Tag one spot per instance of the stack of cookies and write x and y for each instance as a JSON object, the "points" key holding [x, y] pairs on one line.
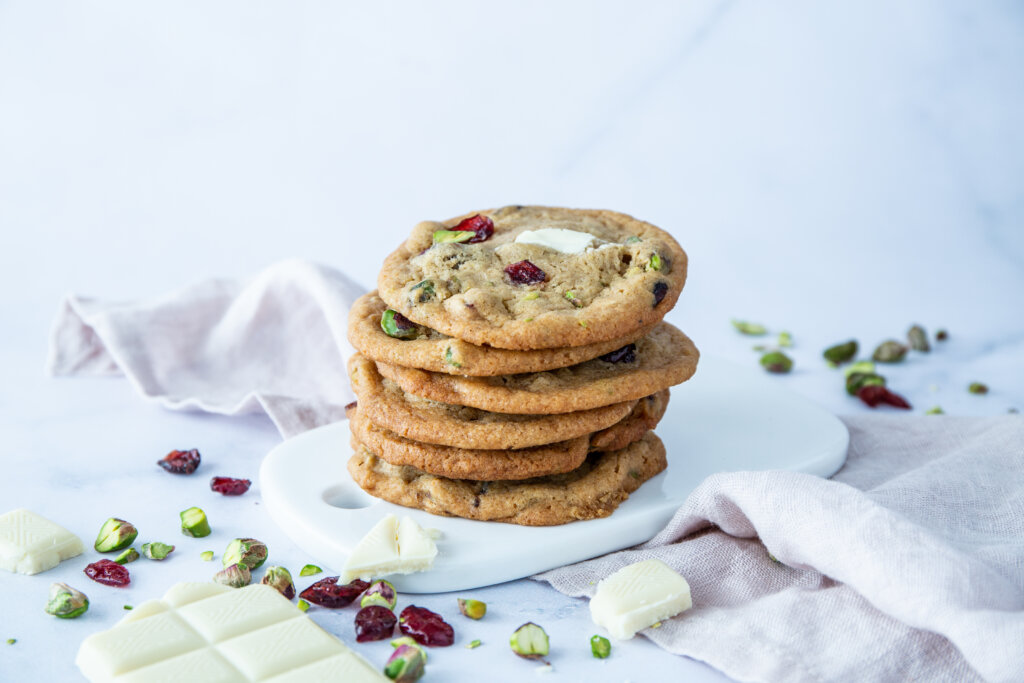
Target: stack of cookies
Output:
{"points": [[513, 363]]}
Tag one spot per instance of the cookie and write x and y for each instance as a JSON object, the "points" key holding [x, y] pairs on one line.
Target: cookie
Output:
{"points": [[493, 465], [645, 416], [623, 274], [469, 463], [592, 490], [437, 352], [384, 403], [663, 358]]}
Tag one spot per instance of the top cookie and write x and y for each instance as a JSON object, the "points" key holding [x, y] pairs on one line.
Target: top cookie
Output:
{"points": [[543, 278]]}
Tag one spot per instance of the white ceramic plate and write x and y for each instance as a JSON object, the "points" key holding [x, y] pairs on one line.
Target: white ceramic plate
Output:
{"points": [[726, 418]]}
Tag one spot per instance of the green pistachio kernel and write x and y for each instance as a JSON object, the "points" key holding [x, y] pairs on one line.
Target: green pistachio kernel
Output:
{"points": [[474, 609], [935, 410], [600, 647], [841, 353], [397, 325], [425, 291], [206, 556], [194, 523], [407, 640], [127, 608], [918, 339], [115, 534], [473, 644], [748, 328], [890, 351], [858, 380], [531, 296], [777, 362], [449, 358], [530, 641], [654, 263], [573, 299], [785, 340], [157, 551], [977, 388], [129, 555], [310, 570], [65, 602], [444, 236], [248, 551], [860, 366], [303, 605], [12, 641], [632, 239]]}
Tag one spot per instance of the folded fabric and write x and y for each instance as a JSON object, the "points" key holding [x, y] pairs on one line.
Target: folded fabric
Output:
{"points": [[275, 343], [907, 565]]}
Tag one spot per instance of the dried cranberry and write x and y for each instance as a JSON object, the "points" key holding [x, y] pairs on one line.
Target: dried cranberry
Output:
{"points": [[525, 273], [180, 462], [350, 406], [660, 290], [425, 627], [375, 622], [627, 354], [327, 592], [481, 225], [874, 394], [108, 572], [229, 486]]}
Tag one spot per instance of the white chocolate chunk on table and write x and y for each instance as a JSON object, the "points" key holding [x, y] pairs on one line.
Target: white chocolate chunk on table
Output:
{"points": [[208, 633], [391, 547], [638, 596], [30, 543]]}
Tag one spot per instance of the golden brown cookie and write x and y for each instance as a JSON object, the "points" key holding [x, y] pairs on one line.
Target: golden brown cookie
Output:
{"points": [[661, 359], [384, 403], [493, 465], [645, 416], [434, 351], [516, 295], [590, 491]]}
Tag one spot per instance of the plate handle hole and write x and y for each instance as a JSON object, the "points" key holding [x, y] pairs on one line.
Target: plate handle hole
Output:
{"points": [[347, 497]]}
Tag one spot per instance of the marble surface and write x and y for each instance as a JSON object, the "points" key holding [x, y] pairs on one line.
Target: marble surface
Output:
{"points": [[833, 171]]}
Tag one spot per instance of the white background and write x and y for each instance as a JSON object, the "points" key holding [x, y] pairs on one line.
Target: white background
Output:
{"points": [[835, 171]]}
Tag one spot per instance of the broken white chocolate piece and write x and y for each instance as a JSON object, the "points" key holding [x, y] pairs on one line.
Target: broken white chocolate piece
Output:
{"points": [[559, 239], [207, 633], [638, 596], [30, 543], [391, 547]]}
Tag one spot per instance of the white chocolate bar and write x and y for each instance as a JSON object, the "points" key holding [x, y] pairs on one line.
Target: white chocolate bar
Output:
{"points": [[30, 544], [638, 596], [209, 633], [391, 547]]}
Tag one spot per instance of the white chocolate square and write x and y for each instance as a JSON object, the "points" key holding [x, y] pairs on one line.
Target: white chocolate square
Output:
{"points": [[30, 543], [129, 646], [279, 648], [638, 596], [206, 665], [232, 614], [208, 633], [344, 668]]}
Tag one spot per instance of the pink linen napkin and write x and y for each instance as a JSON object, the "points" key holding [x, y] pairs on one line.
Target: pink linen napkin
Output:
{"points": [[275, 343], [907, 565]]}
